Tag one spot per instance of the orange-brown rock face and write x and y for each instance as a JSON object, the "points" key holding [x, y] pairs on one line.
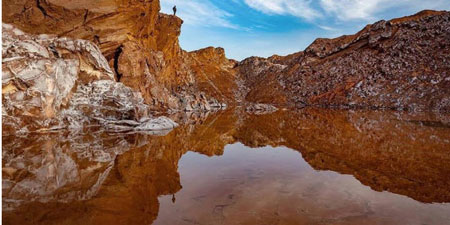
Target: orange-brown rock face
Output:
{"points": [[259, 81], [215, 73], [107, 22], [141, 46]]}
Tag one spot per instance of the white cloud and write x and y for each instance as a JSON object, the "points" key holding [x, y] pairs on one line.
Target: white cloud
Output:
{"points": [[327, 28], [367, 10], [203, 13], [342, 10], [263, 37], [199, 13], [352, 9], [298, 8]]}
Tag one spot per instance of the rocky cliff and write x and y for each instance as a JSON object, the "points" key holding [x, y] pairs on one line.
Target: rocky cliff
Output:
{"points": [[140, 44]]}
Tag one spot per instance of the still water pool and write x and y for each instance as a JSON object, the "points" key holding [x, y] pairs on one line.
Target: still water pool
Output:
{"points": [[312, 166]]}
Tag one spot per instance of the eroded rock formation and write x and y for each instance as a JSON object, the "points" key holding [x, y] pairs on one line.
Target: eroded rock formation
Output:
{"points": [[52, 83]]}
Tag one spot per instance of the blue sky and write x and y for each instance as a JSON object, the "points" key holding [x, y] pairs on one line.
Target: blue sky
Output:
{"points": [[266, 27]]}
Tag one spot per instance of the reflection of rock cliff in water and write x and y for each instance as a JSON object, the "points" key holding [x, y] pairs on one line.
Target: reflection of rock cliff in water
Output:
{"points": [[397, 152], [102, 178]]}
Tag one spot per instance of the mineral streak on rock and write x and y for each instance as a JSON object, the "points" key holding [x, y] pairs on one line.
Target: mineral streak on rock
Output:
{"points": [[53, 83]]}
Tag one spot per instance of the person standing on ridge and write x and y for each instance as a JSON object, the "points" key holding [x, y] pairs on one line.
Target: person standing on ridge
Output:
{"points": [[174, 10]]}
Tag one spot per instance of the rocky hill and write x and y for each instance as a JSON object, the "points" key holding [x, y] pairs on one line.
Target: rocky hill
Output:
{"points": [[400, 64]]}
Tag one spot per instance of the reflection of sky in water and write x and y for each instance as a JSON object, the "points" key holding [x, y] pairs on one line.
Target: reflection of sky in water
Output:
{"points": [[257, 184]]}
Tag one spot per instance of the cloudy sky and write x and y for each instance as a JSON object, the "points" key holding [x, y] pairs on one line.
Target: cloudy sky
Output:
{"points": [[266, 27]]}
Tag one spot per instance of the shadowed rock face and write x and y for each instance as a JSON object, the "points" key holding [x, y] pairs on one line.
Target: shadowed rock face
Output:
{"points": [[108, 23], [397, 64], [101, 178]]}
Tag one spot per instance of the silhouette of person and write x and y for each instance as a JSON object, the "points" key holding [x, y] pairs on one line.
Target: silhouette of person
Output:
{"points": [[174, 10], [173, 198]]}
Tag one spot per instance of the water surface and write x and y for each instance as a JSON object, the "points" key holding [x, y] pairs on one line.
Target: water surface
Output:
{"points": [[312, 166]]}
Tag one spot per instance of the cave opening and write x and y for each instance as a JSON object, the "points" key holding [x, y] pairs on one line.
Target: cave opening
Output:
{"points": [[117, 54]]}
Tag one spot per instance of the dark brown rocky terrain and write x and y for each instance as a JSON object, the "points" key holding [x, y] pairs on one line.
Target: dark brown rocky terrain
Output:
{"points": [[400, 64]]}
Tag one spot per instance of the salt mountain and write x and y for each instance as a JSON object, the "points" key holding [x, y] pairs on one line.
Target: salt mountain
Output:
{"points": [[118, 63]]}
